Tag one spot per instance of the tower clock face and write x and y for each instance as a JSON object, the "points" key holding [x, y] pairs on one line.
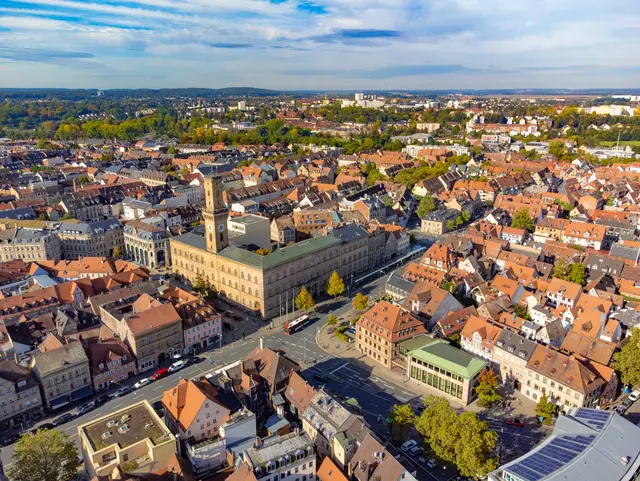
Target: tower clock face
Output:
{"points": [[210, 227], [221, 228]]}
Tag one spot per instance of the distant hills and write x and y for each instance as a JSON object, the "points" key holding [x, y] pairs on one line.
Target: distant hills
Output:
{"points": [[82, 94]]}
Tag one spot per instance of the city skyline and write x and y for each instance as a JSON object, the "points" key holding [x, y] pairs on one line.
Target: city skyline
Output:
{"points": [[320, 44]]}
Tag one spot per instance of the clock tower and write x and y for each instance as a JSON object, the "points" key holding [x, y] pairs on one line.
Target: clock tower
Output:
{"points": [[215, 214]]}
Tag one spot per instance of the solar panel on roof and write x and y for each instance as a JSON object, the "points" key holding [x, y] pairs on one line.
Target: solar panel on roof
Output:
{"points": [[525, 473], [540, 464], [556, 453], [567, 444]]}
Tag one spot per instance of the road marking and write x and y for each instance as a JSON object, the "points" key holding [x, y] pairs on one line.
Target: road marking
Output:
{"points": [[346, 363]]}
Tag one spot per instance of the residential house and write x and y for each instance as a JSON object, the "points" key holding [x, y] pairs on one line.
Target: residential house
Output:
{"points": [[585, 235], [20, 399], [479, 337], [63, 372]]}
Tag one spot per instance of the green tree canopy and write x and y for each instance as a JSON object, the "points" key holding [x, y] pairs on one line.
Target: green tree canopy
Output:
{"points": [[451, 225], [578, 274], [561, 269], [627, 360], [427, 205], [522, 220], [487, 388], [117, 253], [332, 320], [462, 440], [401, 418], [48, 455], [546, 409], [465, 215], [304, 300], [360, 301], [335, 286], [201, 286]]}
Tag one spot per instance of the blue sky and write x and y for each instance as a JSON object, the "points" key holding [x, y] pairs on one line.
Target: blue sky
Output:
{"points": [[320, 44]]}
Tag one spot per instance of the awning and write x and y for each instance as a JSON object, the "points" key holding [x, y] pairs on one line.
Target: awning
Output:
{"points": [[82, 393], [59, 401]]}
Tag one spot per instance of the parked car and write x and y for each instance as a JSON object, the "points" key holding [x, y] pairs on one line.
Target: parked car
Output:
{"points": [[408, 445], [65, 418], [158, 407], [102, 399], [422, 459], [160, 373], [176, 366], [85, 408], [42, 426], [9, 440], [194, 360], [414, 451], [142, 382], [514, 422], [431, 463], [121, 392], [634, 396]]}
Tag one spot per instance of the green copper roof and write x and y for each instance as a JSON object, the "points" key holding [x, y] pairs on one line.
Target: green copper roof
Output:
{"points": [[443, 355]]}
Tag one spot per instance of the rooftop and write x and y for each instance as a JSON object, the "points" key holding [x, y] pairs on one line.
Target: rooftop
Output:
{"points": [[275, 447], [126, 427], [586, 445], [440, 353]]}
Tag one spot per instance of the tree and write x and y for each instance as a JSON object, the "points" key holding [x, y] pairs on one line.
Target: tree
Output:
{"points": [[171, 150], [83, 179], [66, 216], [522, 220], [487, 388], [48, 455], [200, 285], [561, 269], [427, 204], [451, 225], [522, 311], [449, 286], [577, 274], [545, 409], [332, 320], [401, 419], [627, 360], [455, 340], [304, 300], [360, 301], [117, 253], [43, 216], [557, 148], [335, 286], [263, 251], [465, 215], [462, 440]]}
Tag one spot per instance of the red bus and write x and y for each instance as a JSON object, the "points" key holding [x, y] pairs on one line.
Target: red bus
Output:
{"points": [[295, 325]]}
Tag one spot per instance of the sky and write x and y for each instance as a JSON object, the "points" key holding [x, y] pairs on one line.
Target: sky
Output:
{"points": [[320, 44]]}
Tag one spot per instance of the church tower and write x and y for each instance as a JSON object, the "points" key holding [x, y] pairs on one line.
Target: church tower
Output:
{"points": [[215, 214]]}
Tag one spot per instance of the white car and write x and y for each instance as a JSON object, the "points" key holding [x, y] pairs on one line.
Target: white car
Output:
{"points": [[408, 445], [176, 366], [634, 396], [142, 382]]}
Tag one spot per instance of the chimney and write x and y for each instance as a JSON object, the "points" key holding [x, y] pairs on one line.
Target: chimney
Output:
{"points": [[261, 344], [75, 186]]}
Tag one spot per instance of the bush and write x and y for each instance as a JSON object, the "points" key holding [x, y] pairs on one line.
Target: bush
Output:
{"points": [[341, 335]]}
